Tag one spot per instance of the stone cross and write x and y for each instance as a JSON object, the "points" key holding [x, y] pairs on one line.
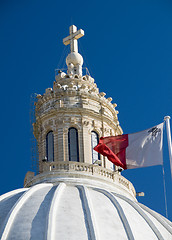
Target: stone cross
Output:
{"points": [[73, 37]]}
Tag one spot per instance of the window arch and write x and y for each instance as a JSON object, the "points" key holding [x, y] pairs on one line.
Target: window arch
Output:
{"points": [[73, 144], [50, 146], [94, 142]]}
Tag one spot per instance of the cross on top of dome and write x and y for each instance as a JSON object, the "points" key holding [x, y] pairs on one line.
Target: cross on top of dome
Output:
{"points": [[73, 37], [74, 60]]}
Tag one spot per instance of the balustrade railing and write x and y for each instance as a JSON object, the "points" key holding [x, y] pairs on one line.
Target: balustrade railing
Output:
{"points": [[90, 169]]}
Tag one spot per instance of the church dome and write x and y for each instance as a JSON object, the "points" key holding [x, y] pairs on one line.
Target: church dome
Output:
{"points": [[75, 209], [76, 194]]}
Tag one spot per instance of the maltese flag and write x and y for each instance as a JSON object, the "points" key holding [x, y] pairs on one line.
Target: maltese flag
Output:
{"points": [[141, 149]]}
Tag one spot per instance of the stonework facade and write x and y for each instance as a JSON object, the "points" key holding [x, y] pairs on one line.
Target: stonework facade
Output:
{"points": [[74, 102]]}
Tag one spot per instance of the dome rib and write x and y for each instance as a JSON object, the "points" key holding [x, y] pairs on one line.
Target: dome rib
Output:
{"points": [[140, 211], [163, 221], [11, 193], [50, 229], [120, 212], [16, 208], [7, 201], [92, 229], [78, 211]]}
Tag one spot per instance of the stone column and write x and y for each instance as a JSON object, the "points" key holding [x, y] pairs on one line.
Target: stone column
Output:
{"points": [[87, 150], [60, 146], [55, 146]]}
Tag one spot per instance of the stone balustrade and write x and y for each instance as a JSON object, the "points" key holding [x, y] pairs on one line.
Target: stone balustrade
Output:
{"points": [[89, 169]]}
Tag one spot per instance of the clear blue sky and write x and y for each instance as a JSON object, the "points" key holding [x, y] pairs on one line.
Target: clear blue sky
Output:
{"points": [[127, 48]]}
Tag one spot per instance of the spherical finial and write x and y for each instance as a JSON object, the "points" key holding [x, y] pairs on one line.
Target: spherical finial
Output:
{"points": [[167, 117], [74, 58]]}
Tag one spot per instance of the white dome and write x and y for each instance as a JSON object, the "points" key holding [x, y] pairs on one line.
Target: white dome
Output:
{"points": [[74, 58], [70, 210]]}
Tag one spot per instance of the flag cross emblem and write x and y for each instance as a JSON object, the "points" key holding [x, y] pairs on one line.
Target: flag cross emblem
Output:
{"points": [[154, 131], [141, 149]]}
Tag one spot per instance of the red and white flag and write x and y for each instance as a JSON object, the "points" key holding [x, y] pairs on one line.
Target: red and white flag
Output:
{"points": [[141, 149]]}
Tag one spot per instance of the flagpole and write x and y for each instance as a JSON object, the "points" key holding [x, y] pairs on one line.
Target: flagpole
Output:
{"points": [[165, 194], [167, 120]]}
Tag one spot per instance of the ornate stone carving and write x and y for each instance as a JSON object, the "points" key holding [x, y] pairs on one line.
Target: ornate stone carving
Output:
{"points": [[73, 120], [86, 123], [59, 121], [109, 99], [48, 91], [102, 94]]}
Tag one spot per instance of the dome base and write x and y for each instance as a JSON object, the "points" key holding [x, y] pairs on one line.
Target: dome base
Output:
{"points": [[77, 172]]}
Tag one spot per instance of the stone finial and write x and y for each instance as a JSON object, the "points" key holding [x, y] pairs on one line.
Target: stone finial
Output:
{"points": [[39, 96], [114, 104], [48, 90], [74, 60], [109, 99], [102, 94]]}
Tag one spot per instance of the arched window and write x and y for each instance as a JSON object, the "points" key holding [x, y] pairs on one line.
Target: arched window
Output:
{"points": [[94, 142], [50, 146], [73, 144]]}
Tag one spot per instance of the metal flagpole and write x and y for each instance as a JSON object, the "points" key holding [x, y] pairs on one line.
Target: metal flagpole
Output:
{"points": [[165, 194], [167, 120]]}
